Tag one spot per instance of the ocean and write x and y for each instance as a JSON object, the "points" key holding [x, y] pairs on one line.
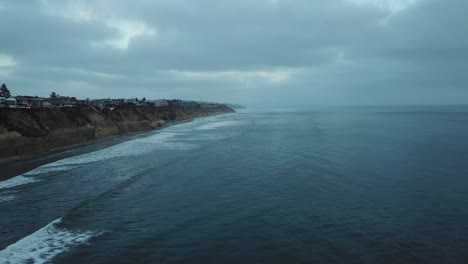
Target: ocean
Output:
{"points": [[324, 185]]}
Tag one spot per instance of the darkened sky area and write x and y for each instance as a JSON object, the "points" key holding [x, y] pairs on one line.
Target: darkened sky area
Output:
{"points": [[266, 52]]}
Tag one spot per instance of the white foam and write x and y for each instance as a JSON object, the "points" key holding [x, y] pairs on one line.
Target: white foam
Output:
{"points": [[17, 181], [207, 136], [45, 244], [46, 169], [217, 125], [130, 148], [6, 198]]}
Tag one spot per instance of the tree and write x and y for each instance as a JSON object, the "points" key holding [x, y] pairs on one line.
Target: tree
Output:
{"points": [[4, 92], [144, 99], [53, 95]]}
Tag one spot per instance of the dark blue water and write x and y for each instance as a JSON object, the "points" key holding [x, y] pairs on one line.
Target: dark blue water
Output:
{"points": [[332, 185]]}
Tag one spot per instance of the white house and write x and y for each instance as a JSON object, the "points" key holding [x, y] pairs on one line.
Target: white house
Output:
{"points": [[160, 103], [10, 102]]}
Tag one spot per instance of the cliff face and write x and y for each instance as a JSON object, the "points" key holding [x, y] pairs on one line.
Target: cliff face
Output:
{"points": [[25, 131]]}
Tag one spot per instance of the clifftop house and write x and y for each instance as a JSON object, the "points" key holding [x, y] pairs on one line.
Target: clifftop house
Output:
{"points": [[28, 102], [24, 101], [33, 102], [160, 103], [7, 102], [64, 101]]}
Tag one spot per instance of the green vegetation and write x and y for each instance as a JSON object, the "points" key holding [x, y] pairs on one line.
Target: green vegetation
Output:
{"points": [[4, 92]]}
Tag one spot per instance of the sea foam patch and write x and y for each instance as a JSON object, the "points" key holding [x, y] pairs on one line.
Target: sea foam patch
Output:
{"points": [[219, 124], [6, 198], [47, 169], [17, 181], [130, 148], [45, 244]]}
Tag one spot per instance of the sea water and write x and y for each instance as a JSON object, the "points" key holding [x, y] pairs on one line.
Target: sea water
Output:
{"points": [[328, 185]]}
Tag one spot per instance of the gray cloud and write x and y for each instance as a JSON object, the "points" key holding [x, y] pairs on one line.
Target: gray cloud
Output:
{"points": [[269, 52]]}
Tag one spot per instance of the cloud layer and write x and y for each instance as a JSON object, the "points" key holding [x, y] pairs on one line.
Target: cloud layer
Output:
{"points": [[268, 52]]}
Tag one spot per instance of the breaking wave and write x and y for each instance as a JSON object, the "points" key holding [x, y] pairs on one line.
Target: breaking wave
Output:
{"points": [[17, 181], [160, 141], [45, 244], [217, 125], [130, 148]]}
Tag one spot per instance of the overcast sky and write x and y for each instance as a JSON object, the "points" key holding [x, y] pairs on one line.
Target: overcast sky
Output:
{"points": [[268, 52]]}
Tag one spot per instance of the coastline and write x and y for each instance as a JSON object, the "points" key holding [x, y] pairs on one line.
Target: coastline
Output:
{"points": [[30, 131], [17, 165]]}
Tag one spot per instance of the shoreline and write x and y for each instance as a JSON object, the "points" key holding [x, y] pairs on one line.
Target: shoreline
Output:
{"points": [[25, 132], [17, 165]]}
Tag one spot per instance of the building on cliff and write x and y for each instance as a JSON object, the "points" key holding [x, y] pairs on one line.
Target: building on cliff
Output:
{"points": [[7, 102], [41, 102], [160, 103], [64, 101], [33, 102], [107, 103]]}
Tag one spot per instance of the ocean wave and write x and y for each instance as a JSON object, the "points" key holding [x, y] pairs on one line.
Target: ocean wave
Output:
{"points": [[45, 244], [215, 125], [17, 181], [130, 148], [47, 169], [6, 198], [140, 146]]}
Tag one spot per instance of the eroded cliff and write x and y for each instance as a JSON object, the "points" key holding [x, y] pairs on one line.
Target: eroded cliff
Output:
{"points": [[26, 131]]}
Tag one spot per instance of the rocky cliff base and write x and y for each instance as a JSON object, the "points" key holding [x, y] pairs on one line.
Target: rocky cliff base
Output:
{"points": [[28, 131]]}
